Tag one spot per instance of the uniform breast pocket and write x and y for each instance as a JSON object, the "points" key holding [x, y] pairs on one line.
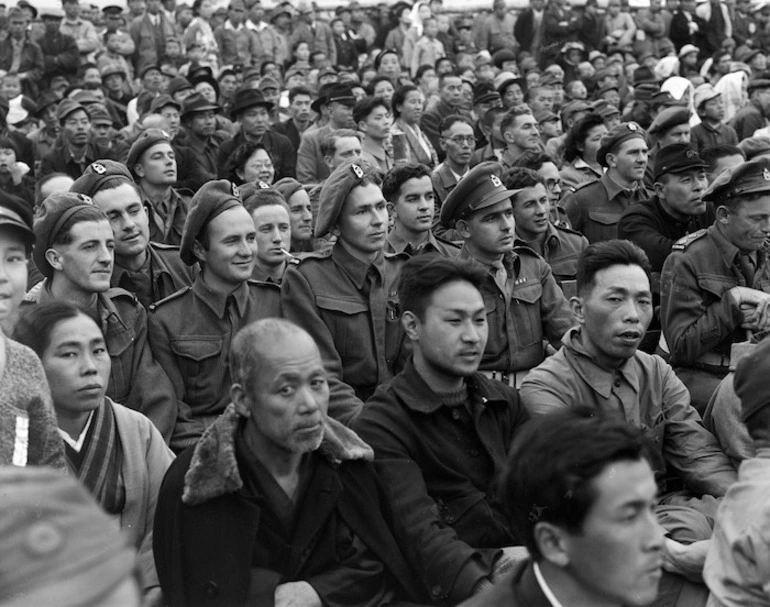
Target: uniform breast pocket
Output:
{"points": [[526, 310], [200, 363], [121, 351], [602, 226], [348, 321]]}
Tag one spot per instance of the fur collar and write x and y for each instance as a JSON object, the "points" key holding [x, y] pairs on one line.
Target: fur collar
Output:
{"points": [[214, 471]]}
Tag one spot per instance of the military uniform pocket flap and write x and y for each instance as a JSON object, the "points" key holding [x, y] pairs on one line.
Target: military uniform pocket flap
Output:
{"points": [[197, 348], [529, 292], [604, 218], [717, 284], [345, 305]]}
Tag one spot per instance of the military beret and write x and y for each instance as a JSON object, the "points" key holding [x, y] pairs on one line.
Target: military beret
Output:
{"points": [[752, 177], [758, 83], [677, 158], [752, 380], [16, 213], [617, 136], [67, 107], [336, 189], [481, 188], [288, 186], [669, 118], [144, 142], [212, 199], [755, 146], [97, 174], [55, 211], [262, 195]]}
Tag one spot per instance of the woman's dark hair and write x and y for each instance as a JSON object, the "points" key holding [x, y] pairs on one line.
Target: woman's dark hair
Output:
{"points": [[421, 70], [237, 160], [400, 96], [8, 143], [379, 57], [576, 136], [36, 323], [375, 81]]}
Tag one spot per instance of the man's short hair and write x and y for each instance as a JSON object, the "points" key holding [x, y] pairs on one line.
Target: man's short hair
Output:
{"points": [[450, 120], [491, 114], [713, 153], [513, 114], [423, 275], [299, 90], [83, 214], [553, 463], [534, 160], [422, 69], [366, 106], [519, 178], [398, 176], [442, 78], [601, 255], [329, 143]]}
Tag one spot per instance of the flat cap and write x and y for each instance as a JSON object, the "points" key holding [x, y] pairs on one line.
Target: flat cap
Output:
{"points": [[212, 199], [758, 83], [664, 98], [677, 158], [617, 136], [110, 69], [752, 177], [606, 88], [178, 83], [55, 211], [669, 118], [288, 186], [755, 146], [752, 380], [97, 174], [16, 213], [161, 101], [605, 109], [148, 68], [485, 92], [67, 107], [144, 142], [574, 107], [551, 79], [335, 191], [481, 188], [269, 83]]}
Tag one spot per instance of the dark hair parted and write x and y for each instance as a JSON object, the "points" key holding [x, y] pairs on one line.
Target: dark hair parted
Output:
{"points": [[366, 106], [601, 255], [240, 156], [576, 137], [36, 323], [399, 97], [423, 275], [398, 176], [713, 153]]}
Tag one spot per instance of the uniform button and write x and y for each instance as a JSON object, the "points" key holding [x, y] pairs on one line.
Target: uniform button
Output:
{"points": [[436, 591], [617, 382], [474, 452], [455, 414], [449, 519], [211, 589]]}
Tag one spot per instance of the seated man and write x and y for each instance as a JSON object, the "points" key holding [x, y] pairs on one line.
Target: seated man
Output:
{"points": [[600, 366], [440, 432], [738, 563], [580, 490], [277, 504], [715, 287]]}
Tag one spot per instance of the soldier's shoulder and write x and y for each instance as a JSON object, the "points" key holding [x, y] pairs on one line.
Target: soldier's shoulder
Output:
{"points": [[117, 294], [166, 301], [584, 187], [565, 232], [261, 285], [687, 241], [164, 248], [313, 257]]}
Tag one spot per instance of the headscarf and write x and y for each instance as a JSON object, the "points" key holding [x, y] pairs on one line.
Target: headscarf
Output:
{"points": [[416, 19], [680, 88], [733, 89]]}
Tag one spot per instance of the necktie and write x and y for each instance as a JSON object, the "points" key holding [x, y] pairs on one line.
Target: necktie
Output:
{"points": [[500, 275], [747, 267]]}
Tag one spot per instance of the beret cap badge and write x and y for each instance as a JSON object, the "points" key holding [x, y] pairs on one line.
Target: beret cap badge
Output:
{"points": [[766, 175], [99, 169], [357, 171]]}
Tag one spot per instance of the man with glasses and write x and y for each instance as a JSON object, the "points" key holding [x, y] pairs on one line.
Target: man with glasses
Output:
{"points": [[451, 98], [457, 143]]}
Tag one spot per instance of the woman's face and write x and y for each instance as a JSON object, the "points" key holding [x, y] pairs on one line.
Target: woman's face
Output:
{"points": [[513, 96], [77, 365], [411, 109], [206, 9], [424, 12], [13, 271], [208, 92], [258, 167], [7, 159], [385, 90], [389, 66], [592, 142], [302, 52]]}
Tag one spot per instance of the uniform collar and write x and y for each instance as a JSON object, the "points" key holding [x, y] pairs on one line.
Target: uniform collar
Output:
{"points": [[551, 240], [356, 269], [217, 300], [119, 271], [726, 248], [399, 245], [614, 189]]}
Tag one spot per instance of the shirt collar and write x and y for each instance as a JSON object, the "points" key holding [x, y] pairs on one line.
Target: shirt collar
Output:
{"points": [[614, 189], [217, 300], [77, 445], [551, 240], [549, 595], [229, 26], [399, 244], [356, 269], [119, 271]]}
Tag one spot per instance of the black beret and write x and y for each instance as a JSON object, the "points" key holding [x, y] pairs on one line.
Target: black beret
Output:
{"points": [[144, 142], [212, 199], [616, 136], [669, 118], [335, 190], [97, 174]]}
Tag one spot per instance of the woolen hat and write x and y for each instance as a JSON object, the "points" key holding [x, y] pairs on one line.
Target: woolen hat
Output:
{"points": [[288, 186], [55, 211], [481, 188], [212, 199], [677, 158], [97, 174], [58, 547], [668, 119], [336, 189], [617, 136], [144, 142], [752, 380], [752, 177]]}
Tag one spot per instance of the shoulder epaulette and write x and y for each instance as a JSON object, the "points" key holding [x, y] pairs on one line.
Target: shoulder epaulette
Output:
{"points": [[162, 246], [172, 297], [315, 255], [582, 185], [263, 283], [686, 241], [449, 243], [119, 293], [563, 228]]}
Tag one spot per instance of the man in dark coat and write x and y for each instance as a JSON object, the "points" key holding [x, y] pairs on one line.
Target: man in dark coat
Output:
{"points": [[60, 51], [277, 502], [20, 55]]}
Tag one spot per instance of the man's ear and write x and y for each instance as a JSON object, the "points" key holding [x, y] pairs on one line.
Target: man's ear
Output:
{"points": [[54, 258], [199, 251], [391, 209], [139, 170], [576, 305], [508, 137], [441, 144], [238, 396], [411, 325], [461, 225], [553, 543], [659, 190], [722, 214]]}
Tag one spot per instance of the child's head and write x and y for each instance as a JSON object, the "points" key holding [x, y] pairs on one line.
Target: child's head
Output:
{"points": [[10, 86], [194, 53], [430, 27], [173, 47], [338, 27]]}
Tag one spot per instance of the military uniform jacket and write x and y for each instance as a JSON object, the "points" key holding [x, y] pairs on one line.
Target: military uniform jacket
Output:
{"points": [[167, 224], [697, 313], [136, 379], [533, 310], [594, 208], [167, 273], [191, 332], [395, 245], [350, 308], [561, 250]]}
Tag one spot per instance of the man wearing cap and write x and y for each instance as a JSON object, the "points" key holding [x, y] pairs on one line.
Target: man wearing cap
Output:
{"points": [[149, 33], [75, 151], [316, 33], [524, 304], [114, 81], [198, 153], [20, 55], [594, 208], [81, 30], [74, 251], [191, 330], [715, 288], [711, 130], [485, 97], [450, 102], [252, 112], [753, 116], [671, 125], [336, 105], [152, 162], [122, 45], [346, 297], [238, 44], [60, 51]]}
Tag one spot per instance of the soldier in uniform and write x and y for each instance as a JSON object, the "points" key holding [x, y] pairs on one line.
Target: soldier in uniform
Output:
{"points": [[74, 251], [346, 297], [149, 270], [715, 288], [671, 126], [152, 161], [411, 205], [559, 246], [524, 304], [191, 331], [595, 208]]}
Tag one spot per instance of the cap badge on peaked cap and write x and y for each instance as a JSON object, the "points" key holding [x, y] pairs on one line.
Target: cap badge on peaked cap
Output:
{"points": [[690, 153], [357, 171], [766, 175], [235, 190], [496, 181]]}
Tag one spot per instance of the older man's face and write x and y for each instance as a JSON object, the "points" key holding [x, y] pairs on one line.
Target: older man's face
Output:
{"points": [[290, 398]]}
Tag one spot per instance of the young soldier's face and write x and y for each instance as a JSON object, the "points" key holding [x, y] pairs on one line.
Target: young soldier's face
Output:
{"points": [[229, 258], [530, 211], [128, 219], [87, 261], [489, 232], [414, 207], [364, 218]]}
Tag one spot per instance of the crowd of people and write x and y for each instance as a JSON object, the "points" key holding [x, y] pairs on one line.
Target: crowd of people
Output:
{"points": [[385, 305]]}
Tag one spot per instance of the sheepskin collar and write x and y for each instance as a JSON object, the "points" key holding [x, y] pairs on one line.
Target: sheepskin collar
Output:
{"points": [[214, 470]]}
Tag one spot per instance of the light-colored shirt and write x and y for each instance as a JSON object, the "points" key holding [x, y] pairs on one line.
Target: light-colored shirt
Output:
{"points": [[77, 445]]}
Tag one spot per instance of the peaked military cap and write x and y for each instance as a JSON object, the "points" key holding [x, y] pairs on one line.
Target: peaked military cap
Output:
{"points": [[677, 158], [481, 188], [752, 177]]}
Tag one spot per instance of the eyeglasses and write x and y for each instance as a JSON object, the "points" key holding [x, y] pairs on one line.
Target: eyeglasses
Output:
{"points": [[459, 139]]}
